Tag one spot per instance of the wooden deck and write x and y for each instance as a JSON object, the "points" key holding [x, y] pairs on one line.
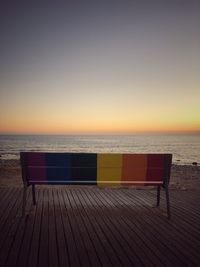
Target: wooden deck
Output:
{"points": [[90, 226]]}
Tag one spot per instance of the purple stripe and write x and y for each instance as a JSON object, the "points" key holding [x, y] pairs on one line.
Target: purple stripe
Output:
{"points": [[36, 169]]}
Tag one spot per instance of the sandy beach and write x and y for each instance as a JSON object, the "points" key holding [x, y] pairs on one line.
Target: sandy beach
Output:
{"points": [[183, 177]]}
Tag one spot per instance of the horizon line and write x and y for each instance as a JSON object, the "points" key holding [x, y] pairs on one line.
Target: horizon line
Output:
{"points": [[104, 133]]}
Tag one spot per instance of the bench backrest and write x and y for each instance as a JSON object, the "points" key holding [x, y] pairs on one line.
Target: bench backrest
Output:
{"points": [[91, 168]]}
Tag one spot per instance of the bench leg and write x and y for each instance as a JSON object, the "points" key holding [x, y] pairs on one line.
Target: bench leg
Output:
{"points": [[33, 194], [158, 196], [24, 200], [167, 200]]}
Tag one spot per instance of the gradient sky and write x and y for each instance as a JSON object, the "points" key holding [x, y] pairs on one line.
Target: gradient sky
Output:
{"points": [[99, 66]]}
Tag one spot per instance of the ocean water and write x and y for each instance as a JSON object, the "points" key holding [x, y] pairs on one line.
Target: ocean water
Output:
{"points": [[185, 148]]}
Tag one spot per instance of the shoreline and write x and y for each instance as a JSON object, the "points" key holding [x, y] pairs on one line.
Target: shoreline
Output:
{"points": [[183, 177]]}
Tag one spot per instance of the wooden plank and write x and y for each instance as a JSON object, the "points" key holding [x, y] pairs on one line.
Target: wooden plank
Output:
{"points": [[163, 229], [184, 217], [107, 236], [18, 235], [135, 235], [91, 226], [35, 243], [11, 233], [4, 193], [7, 205], [62, 250], [70, 240], [119, 243], [131, 237], [153, 227], [43, 256], [99, 230], [184, 206], [29, 225], [184, 213], [53, 240], [92, 255], [84, 226], [134, 218], [74, 221]]}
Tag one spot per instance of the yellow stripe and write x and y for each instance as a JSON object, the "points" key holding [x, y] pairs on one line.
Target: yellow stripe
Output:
{"points": [[109, 169]]}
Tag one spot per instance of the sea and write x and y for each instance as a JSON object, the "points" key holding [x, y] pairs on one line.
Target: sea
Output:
{"points": [[184, 147]]}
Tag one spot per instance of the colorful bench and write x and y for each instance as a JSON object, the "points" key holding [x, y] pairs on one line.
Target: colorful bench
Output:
{"points": [[95, 169]]}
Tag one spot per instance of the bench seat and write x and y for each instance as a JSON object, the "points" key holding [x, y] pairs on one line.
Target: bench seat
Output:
{"points": [[95, 169]]}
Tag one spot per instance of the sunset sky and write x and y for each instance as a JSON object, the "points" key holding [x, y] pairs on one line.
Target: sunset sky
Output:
{"points": [[99, 66]]}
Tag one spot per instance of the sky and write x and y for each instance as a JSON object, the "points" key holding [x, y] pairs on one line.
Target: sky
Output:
{"points": [[99, 66]]}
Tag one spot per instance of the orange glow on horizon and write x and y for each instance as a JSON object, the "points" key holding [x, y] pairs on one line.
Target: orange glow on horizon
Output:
{"points": [[95, 116], [99, 129]]}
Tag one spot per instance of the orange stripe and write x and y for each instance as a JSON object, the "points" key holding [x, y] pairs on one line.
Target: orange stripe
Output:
{"points": [[134, 168]]}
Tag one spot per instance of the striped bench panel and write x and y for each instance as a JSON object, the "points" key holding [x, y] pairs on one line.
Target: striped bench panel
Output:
{"points": [[90, 168]]}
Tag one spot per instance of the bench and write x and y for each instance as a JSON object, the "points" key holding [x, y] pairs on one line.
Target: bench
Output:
{"points": [[59, 168]]}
